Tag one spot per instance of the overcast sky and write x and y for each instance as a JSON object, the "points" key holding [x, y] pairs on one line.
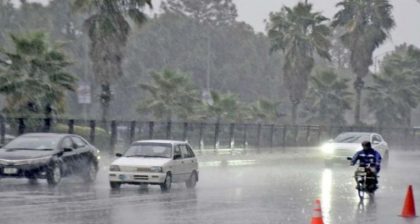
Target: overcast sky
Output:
{"points": [[406, 12]]}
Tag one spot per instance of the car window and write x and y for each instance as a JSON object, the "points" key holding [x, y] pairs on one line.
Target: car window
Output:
{"points": [[190, 151], [376, 138], [67, 143], [185, 152], [177, 151], [79, 142], [352, 138]]}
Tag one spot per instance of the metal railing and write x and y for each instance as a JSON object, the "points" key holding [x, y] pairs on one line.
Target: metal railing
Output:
{"points": [[201, 135]]}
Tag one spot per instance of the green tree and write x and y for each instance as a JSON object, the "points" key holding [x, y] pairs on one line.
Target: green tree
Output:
{"points": [[367, 25], [328, 99], [299, 33], [108, 30], [224, 107], [396, 91], [34, 80], [264, 110], [170, 95], [215, 12]]}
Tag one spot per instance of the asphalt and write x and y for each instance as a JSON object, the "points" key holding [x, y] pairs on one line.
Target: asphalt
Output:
{"points": [[273, 187]]}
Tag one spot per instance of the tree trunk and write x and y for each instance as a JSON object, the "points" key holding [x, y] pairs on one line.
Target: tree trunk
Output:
{"points": [[358, 86]]}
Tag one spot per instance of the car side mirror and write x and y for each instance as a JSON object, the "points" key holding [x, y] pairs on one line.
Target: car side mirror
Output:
{"points": [[177, 157], [68, 149], [118, 155], [75, 146]]}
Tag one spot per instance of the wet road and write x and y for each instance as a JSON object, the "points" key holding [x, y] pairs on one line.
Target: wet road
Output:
{"points": [[275, 191]]}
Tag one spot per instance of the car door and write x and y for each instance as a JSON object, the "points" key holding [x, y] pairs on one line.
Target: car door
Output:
{"points": [[82, 153], [187, 162], [69, 157], [177, 168]]}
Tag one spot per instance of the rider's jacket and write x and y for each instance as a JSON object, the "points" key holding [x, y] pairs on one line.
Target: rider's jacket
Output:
{"points": [[368, 157]]}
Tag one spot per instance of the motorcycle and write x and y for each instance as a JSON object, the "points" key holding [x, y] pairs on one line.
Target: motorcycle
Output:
{"points": [[366, 180]]}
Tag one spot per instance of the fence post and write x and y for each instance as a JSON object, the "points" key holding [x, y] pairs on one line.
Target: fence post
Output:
{"points": [[284, 136], [232, 136], [320, 128], [132, 131], [245, 137], [2, 130], [47, 124], [216, 136], [201, 141], [113, 136], [92, 131], [168, 130], [259, 138], [271, 137], [70, 126], [21, 126], [151, 127], [308, 134], [185, 132]]}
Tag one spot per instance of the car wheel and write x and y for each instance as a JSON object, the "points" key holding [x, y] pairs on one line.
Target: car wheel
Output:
{"points": [[89, 174], [192, 181], [115, 185], [54, 174], [166, 186]]}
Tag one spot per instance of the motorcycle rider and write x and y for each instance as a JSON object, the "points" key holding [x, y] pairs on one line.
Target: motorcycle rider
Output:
{"points": [[368, 157]]}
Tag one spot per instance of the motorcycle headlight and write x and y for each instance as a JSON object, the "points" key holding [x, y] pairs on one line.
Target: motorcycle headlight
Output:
{"points": [[114, 168], [327, 148], [156, 169]]}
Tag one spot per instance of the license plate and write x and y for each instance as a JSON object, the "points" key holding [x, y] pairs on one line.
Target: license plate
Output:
{"points": [[122, 177], [10, 171]]}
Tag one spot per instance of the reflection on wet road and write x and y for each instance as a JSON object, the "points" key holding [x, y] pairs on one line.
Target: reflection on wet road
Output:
{"points": [[281, 191]]}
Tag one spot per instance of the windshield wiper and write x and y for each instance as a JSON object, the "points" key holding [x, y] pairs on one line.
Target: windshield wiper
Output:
{"points": [[135, 156]]}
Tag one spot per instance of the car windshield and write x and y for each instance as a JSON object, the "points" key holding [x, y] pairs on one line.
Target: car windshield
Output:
{"points": [[352, 138], [159, 150], [33, 143]]}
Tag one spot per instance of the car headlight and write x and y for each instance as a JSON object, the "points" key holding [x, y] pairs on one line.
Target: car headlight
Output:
{"points": [[156, 169], [327, 148], [114, 168]]}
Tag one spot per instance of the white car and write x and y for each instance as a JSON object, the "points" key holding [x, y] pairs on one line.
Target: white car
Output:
{"points": [[348, 143], [155, 162]]}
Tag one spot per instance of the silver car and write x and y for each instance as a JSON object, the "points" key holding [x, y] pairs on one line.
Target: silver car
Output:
{"points": [[348, 143]]}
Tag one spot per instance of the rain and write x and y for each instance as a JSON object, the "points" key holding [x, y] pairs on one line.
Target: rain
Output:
{"points": [[209, 111]]}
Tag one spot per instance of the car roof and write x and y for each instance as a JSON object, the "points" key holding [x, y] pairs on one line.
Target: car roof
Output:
{"points": [[47, 135], [172, 142], [359, 133]]}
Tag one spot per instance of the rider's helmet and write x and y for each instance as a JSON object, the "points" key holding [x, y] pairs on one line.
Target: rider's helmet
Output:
{"points": [[366, 145]]}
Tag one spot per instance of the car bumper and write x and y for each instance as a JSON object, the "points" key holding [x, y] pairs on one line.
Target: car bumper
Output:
{"points": [[23, 171], [137, 178]]}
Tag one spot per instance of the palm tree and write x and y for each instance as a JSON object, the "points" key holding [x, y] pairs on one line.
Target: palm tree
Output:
{"points": [[170, 94], [33, 79], [367, 25], [328, 98], [298, 32], [395, 92], [108, 30], [224, 106], [264, 110]]}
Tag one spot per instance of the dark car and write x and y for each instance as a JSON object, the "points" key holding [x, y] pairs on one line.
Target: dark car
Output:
{"points": [[49, 156]]}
